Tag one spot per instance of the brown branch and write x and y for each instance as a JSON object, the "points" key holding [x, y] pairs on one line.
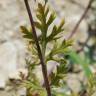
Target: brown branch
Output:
{"points": [[82, 17], [44, 67]]}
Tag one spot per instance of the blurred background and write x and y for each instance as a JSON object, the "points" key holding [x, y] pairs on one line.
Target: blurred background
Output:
{"points": [[13, 49]]}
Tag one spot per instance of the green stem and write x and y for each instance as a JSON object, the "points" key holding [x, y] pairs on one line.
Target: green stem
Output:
{"points": [[44, 35]]}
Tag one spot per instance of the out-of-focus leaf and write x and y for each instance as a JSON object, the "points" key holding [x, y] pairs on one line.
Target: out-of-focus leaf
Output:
{"points": [[38, 25], [39, 17], [60, 27], [51, 19], [78, 60], [62, 48], [40, 13], [26, 33], [46, 1], [62, 67], [66, 43], [59, 73], [24, 30], [56, 30], [46, 11], [41, 8], [59, 92]]}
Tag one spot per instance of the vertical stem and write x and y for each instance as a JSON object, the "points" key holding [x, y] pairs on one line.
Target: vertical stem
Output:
{"points": [[44, 68], [44, 41], [43, 49]]}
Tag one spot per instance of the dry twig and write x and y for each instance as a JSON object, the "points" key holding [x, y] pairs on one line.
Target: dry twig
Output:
{"points": [[82, 17]]}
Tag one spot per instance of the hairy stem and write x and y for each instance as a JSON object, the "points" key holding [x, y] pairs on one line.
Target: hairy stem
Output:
{"points": [[44, 68]]}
